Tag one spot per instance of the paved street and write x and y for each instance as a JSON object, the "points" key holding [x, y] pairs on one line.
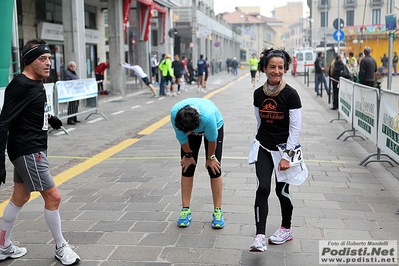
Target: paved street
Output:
{"points": [[120, 185]]}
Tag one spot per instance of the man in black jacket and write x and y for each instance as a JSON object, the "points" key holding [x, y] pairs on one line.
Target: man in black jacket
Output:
{"points": [[320, 75], [368, 66], [70, 74]]}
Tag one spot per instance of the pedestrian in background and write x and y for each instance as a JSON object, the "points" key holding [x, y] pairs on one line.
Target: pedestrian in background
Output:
{"points": [[154, 69], [367, 69], [320, 75], [234, 66], [162, 83], [228, 65], [167, 72], [201, 70], [337, 68], [253, 67], [395, 63], [144, 77], [277, 109], [193, 119], [99, 72], [178, 68], [190, 69], [295, 65], [70, 74], [24, 122]]}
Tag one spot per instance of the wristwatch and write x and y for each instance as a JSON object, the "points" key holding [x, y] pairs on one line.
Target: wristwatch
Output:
{"points": [[188, 154], [290, 153], [212, 157]]}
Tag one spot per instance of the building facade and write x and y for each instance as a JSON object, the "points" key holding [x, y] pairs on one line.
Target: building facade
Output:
{"points": [[363, 24]]}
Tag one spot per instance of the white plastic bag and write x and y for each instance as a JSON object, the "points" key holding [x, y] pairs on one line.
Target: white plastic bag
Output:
{"points": [[253, 151]]}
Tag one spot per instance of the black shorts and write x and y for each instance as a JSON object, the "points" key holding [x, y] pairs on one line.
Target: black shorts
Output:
{"points": [[178, 75], [253, 73], [146, 81], [168, 79], [154, 71], [194, 141]]}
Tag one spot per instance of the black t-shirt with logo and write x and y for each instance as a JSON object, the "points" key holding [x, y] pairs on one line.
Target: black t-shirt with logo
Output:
{"points": [[24, 118], [274, 114]]}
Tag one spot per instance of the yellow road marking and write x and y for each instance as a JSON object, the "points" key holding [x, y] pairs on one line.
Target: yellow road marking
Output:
{"points": [[82, 167]]}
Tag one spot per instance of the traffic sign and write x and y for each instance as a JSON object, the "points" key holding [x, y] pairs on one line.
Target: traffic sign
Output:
{"points": [[339, 35], [390, 22], [217, 44], [341, 24]]}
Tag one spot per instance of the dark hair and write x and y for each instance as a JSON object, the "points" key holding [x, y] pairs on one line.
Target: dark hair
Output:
{"points": [[201, 56], [31, 43], [319, 54], [351, 54], [270, 53], [187, 119]]}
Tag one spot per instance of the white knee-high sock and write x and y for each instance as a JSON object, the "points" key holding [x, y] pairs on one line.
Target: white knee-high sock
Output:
{"points": [[53, 221], [10, 215]]}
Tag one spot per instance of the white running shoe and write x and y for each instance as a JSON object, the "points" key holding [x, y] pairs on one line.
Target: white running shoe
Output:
{"points": [[203, 91], [259, 244], [12, 252], [281, 236], [66, 255]]}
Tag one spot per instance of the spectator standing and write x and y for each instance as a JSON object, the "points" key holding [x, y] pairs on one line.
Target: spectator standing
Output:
{"points": [[99, 72], [220, 64], [190, 69], [70, 74], [167, 72], [144, 77], [234, 66], [295, 65], [385, 62], [320, 75], [154, 69], [201, 69], [228, 62], [368, 66], [277, 108], [185, 73], [24, 122], [395, 63], [162, 83], [207, 72], [337, 69], [193, 119], [178, 68]]}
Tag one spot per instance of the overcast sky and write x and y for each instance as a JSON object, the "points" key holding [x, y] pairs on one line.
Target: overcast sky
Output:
{"points": [[266, 6]]}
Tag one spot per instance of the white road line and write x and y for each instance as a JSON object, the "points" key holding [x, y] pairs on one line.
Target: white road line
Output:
{"points": [[95, 120], [161, 98], [63, 133], [117, 113], [136, 106], [150, 102]]}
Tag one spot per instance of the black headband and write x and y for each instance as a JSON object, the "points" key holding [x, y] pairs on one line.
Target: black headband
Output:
{"points": [[33, 53], [275, 53]]}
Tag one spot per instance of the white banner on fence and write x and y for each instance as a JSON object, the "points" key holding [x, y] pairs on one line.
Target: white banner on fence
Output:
{"points": [[49, 94], [388, 128], [72, 90], [365, 111], [2, 90], [50, 97], [345, 96]]}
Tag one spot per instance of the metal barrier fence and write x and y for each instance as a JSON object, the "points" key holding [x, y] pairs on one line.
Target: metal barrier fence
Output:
{"points": [[375, 114], [76, 97]]}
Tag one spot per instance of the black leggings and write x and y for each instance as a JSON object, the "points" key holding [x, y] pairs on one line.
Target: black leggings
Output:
{"points": [[264, 170], [194, 142]]}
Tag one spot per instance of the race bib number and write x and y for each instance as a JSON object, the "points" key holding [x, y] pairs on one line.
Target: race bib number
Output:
{"points": [[296, 155]]}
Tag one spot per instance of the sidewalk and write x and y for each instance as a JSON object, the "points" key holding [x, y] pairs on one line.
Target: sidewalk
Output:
{"points": [[121, 194]]}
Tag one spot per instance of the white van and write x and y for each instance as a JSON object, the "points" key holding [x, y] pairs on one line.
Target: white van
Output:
{"points": [[306, 57]]}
